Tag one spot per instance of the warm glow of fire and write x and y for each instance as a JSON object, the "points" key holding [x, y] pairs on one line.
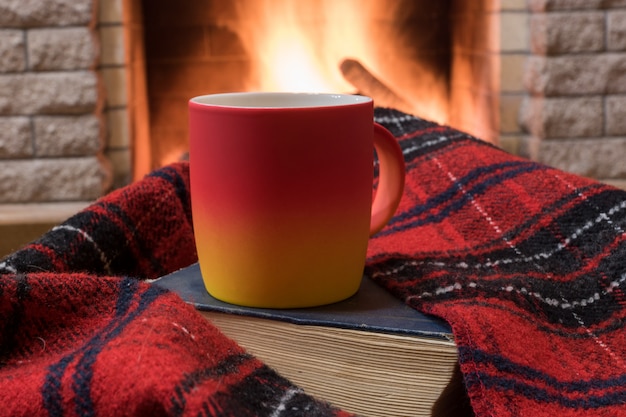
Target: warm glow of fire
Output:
{"points": [[299, 45], [393, 51], [287, 66]]}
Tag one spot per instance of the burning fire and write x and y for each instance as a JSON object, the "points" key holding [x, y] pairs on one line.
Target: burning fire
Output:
{"points": [[298, 45], [335, 46], [342, 46]]}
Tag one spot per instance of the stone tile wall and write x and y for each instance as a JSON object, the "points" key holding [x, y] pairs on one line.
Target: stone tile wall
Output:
{"points": [[52, 131], [575, 77]]}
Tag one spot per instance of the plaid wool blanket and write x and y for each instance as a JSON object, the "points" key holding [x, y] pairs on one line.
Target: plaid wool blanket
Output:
{"points": [[526, 263]]}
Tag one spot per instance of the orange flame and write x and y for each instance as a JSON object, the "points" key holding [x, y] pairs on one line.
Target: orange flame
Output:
{"points": [[299, 46]]}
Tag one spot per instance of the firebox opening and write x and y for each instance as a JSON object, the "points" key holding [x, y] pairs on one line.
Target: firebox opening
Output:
{"points": [[404, 54]]}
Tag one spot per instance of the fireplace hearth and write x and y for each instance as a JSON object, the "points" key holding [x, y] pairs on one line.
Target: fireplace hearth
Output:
{"points": [[398, 52], [516, 73]]}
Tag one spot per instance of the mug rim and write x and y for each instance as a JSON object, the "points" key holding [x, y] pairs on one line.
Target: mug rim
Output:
{"points": [[279, 100]]}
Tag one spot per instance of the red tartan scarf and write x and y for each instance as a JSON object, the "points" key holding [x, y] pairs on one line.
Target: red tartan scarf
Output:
{"points": [[83, 334], [525, 262]]}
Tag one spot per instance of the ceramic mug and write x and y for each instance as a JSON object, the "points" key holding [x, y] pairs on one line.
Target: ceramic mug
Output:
{"points": [[281, 194]]}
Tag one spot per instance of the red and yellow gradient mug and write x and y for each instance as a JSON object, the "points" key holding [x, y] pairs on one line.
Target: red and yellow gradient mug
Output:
{"points": [[281, 194]]}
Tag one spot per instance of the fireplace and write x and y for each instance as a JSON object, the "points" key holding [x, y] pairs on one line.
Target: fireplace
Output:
{"points": [[399, 52], [507, 71], [93, 93]]}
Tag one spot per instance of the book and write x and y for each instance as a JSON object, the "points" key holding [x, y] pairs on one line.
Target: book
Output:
{"points": [[370, 354]]}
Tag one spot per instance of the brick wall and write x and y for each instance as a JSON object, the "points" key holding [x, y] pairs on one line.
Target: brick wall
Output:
{"points": [[51, 127], [575, 76]]}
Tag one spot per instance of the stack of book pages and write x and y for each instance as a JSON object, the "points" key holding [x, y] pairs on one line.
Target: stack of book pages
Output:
{"points": [[370, 354]]}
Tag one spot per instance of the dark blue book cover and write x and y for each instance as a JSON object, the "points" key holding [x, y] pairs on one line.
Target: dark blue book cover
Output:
{"points": [[372, 308]]}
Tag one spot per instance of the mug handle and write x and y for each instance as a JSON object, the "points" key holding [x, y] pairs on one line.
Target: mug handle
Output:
{"points": [[390, 180]]}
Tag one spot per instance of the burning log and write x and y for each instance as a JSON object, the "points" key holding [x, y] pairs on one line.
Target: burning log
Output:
{"points": [[367, 84]]}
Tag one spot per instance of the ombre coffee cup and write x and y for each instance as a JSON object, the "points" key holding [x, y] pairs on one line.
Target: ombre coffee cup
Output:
{"points": [[282, 194]]}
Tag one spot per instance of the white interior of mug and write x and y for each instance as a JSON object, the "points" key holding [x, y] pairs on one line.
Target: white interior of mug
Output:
{"points": [[280, 100]]}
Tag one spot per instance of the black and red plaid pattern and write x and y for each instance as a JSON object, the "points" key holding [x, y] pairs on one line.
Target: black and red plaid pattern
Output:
{"points": [[81, 336], [527, 264]]}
